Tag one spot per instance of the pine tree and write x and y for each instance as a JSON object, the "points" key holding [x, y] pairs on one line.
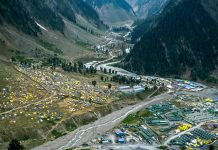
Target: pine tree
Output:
{"points": [[15, 145]]}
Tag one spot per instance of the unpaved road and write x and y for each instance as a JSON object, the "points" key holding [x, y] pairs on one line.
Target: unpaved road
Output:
{"points": [[181, 133], [87, 132]]}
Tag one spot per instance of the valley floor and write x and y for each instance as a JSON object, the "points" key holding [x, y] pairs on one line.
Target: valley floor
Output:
{"points": [[86, 133], [59, 110]]}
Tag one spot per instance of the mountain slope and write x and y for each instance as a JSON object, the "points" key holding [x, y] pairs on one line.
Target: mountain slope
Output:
{"points": [[26, 25], [147, 8], [147, 11], [113, 11], [183, 40], [21, 13]]}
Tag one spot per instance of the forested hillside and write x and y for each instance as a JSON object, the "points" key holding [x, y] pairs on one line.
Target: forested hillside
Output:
{"points": [[182, 41], [147, 12]]}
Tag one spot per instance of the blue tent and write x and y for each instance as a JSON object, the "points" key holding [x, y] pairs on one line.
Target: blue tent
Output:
{"points": [[121, 140]]}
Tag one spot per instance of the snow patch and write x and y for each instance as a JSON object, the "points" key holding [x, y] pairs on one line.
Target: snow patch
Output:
{"points": [[41, 26]]}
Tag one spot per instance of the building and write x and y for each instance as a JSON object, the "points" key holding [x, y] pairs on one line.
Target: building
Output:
{"points": [[131, 90], [121, 140], [138, 89], [119, 133], [157, 122]]}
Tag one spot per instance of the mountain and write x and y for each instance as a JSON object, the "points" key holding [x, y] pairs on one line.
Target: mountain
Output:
{"points": [[22, 12], [113, 11], [182, 42], [67, 25], [147, 11], [147, 8], [141, 26]]}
